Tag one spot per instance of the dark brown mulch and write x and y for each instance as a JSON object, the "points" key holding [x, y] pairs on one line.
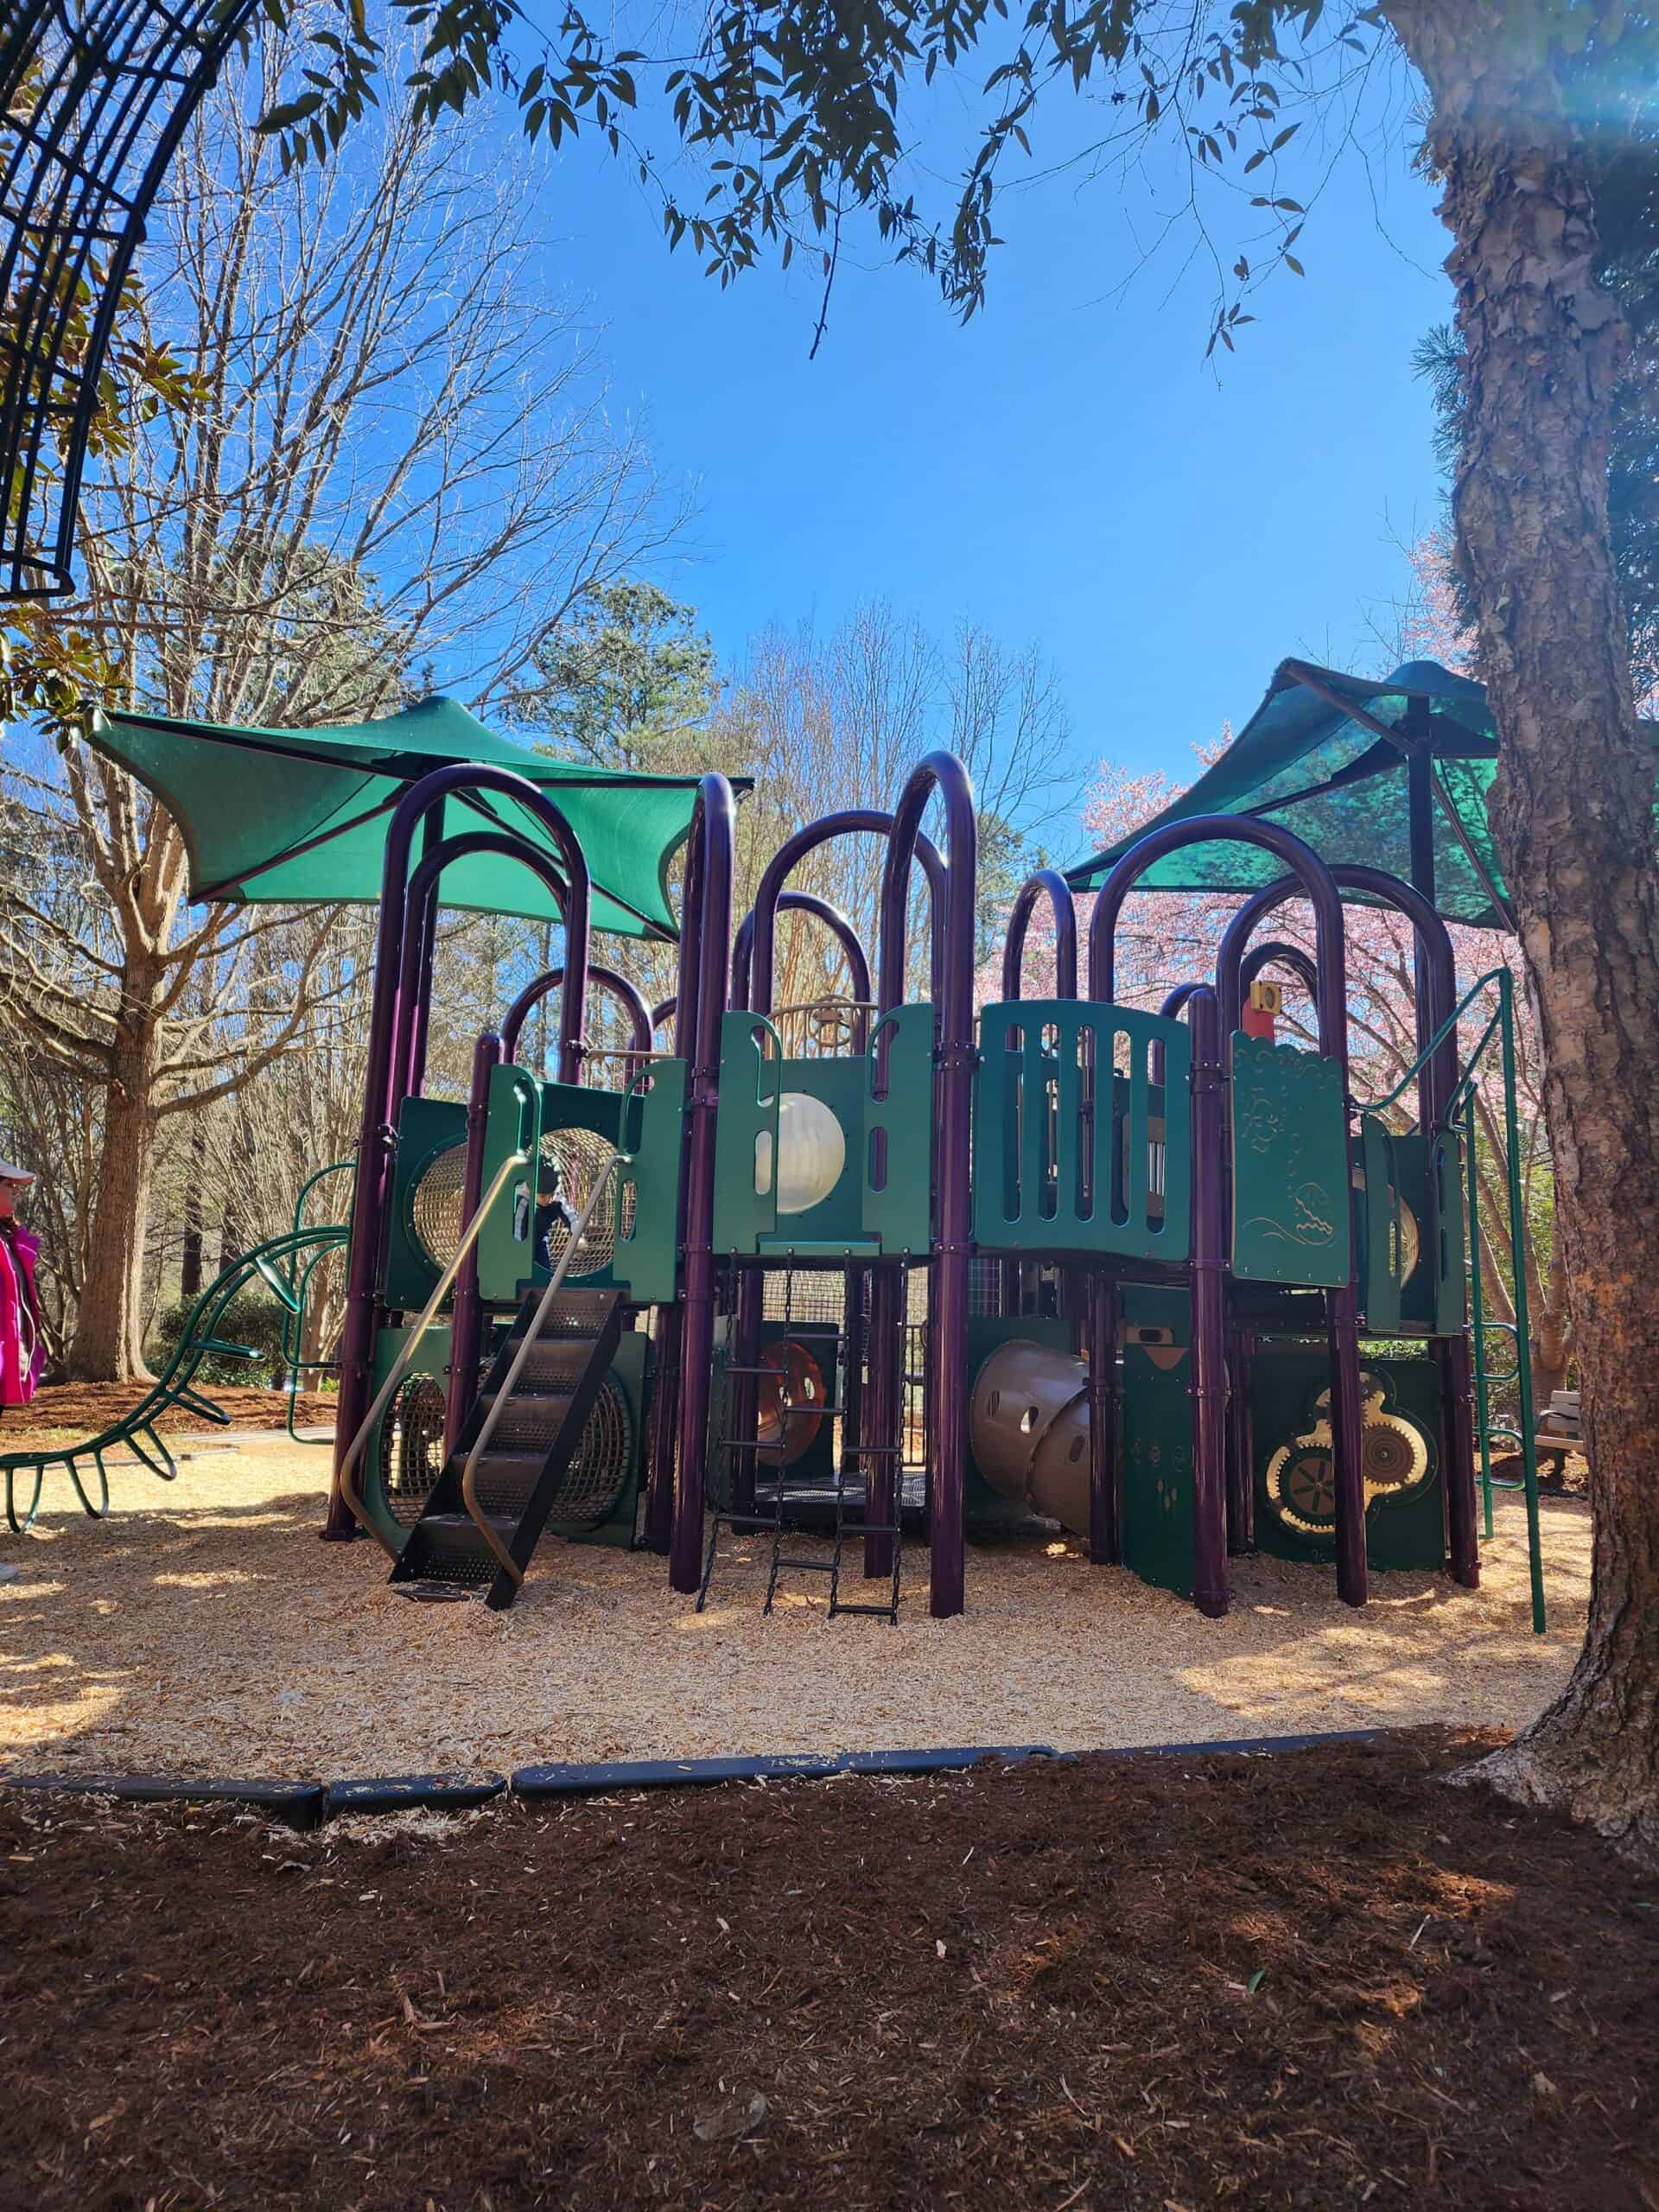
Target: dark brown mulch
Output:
{"points": [[1315, 1981], [62, 1411]]}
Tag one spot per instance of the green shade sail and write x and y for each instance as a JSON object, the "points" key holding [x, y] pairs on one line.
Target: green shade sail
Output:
{"points": [[296, 818], [1312, 758]]}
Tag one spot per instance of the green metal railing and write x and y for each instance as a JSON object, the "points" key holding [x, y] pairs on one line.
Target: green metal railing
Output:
{"points": [[199, 1339], [1460, 1117], [294, 1297]]}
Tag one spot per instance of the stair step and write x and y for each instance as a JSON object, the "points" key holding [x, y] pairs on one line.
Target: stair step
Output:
{"points": [[812, 1566], [446, 1525], [869, 1529], [870, 1612]]}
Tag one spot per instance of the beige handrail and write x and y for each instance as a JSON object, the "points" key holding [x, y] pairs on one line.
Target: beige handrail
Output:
{"points": [[348, 1489], [468, 1492]]}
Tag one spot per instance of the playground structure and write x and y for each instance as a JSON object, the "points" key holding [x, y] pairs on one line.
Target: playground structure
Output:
{"points": [[1157, 1276], [885, 1264]]}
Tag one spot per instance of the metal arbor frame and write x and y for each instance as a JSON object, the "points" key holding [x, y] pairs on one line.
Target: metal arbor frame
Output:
{"points": [[94, 97]]}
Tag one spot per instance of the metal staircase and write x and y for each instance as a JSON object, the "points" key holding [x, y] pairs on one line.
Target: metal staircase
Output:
{"points": [[502, 1484]]}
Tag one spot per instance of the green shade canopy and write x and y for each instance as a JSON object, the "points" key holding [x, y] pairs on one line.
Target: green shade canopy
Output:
{"points": [[1316, 757], [294, 817]]}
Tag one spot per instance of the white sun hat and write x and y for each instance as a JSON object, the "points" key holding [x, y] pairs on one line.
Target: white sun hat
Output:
{"points": [[11, 1172]]}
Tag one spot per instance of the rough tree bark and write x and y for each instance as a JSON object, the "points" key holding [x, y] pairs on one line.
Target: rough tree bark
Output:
{"points": [[109, 1328], [1572, 812]]}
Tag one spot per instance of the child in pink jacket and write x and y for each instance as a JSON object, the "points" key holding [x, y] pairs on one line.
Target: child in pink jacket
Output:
{"points": [[21, 1352]]}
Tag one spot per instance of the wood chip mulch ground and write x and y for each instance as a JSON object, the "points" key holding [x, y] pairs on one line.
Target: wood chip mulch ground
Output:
{"points": [[61, 1411], [1312, 1981]]}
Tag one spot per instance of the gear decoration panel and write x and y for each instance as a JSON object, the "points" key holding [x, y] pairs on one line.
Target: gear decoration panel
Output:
{"points": [[1295, 1485], [1081, 1131], [1292, 1207]]}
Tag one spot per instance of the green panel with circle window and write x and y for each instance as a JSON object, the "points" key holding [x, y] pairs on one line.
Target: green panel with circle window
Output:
{"points": [[788, 1149], [423, 1217]]}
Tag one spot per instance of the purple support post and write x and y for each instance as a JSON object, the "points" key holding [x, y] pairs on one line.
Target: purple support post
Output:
{"points": [[1316, 882], [954, 1059], [414, 1075], [705, 941], [1241, 1444], [1105, 1520], [390, 1059], [467, 1311], [1210, 1592]]}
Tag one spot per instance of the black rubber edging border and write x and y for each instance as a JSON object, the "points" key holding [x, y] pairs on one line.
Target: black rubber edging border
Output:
{"points": [[309, 1804], [567, 1778]]}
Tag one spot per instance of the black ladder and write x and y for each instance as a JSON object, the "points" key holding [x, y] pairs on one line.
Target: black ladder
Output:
{"points": [[775, 1521], [518, 1479]]}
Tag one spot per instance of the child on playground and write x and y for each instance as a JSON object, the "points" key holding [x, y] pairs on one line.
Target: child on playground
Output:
{"points": [[19, 1315]]}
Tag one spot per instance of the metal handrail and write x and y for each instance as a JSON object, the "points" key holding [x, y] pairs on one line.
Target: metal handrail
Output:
{"points": [[348, 1490], [556, 1282]]}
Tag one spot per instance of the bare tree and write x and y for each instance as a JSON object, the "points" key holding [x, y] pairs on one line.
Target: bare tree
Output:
{"points": [[394, 453]]}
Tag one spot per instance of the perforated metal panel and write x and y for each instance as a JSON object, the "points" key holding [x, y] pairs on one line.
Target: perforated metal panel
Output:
{"points": [[435, 1206], [411, 1448], [576, 1157]]}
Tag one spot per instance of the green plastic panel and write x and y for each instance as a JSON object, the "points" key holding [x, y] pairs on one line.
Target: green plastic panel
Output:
{"points": [[745, 1133], [427, 1127], [1156, 1481], [1051, 1173], [504, 1242], [1380, 1279], [647, 1243], [897, 1148], [1448, 1236], [753, 1088], [1293, 1213]]}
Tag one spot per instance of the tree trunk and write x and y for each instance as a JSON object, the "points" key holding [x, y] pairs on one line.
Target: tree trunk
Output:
{"points": [[1572, 812], [108, 1344]]}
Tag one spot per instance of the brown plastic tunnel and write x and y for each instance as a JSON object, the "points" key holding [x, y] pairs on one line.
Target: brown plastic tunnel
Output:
{"points": [[1028, 1426]]}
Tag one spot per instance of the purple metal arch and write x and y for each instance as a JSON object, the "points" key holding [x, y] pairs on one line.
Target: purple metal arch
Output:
{"points": [[1436, 982], [955, 1060], [626, 995], [388, 1048], [1045, 883], [1209, 1314], [1277, 954], [803, 902], [850, 821], [415, 970], [705, 939], [661, 1013]]}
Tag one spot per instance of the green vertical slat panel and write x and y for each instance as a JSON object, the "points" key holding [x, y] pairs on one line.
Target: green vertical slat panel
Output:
{"points": [[1447, 1230], [506, 1242], [750, 1087], [900, 1214], [1293, 1203], [1383, 1285], [1006, 1222], [648, 1186]]}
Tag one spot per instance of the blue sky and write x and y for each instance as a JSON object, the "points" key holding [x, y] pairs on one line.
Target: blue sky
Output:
{"points": [[1067, 469]]}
